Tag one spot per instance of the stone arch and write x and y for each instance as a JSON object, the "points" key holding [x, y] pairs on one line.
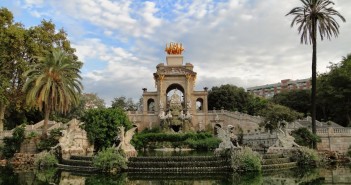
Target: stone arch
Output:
{"points": [[150, 105], [175, 86], [199, 104]]}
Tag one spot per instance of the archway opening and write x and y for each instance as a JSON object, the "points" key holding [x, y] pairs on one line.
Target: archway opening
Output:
{"points": [[175, 89], [150, 105], [199, 104], [176, 128]]}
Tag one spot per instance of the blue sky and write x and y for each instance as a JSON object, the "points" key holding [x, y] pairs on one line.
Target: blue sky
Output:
{"points": [[240, 42]]}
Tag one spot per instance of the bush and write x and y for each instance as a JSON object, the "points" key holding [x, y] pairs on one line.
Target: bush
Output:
{"points": [[304, 137], [13, 144], [246, 160], [45, 159], [109, 160], [199, 141], [51, 141], [348, 151], [307, 156]]}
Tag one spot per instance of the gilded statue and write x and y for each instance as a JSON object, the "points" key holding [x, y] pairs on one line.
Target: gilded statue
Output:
{"points": [[174, 48]]}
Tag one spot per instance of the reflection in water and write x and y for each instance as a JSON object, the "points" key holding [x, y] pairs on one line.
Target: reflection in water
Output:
{"points": [[330, 175]]}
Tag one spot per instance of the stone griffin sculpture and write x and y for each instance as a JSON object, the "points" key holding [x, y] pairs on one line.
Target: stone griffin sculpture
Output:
{"points": [[74, 141], [229, 139], [284, 141], [174, 49], [124, 141]]}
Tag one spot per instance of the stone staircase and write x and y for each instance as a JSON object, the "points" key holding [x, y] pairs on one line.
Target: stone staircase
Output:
{"points": [[78, 163], [276, 162], [178, 164]]}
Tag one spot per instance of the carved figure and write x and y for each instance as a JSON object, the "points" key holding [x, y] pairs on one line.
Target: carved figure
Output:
{"points": [[125, 138], [174, 48], [227, 136]]}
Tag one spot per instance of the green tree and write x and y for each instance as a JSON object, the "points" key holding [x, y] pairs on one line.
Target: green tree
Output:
{"points": [[256, 105], [101, 125], [229, 97], [334, 93], [298, 100], [124, 103], [276, 115], [53, 84], [12, 37], [315, 16]]}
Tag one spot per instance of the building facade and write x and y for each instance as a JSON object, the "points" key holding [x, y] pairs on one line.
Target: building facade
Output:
{"points": [[269, 90]]}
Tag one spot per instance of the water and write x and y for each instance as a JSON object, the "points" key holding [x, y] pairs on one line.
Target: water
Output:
{"points": [[327, 175]]}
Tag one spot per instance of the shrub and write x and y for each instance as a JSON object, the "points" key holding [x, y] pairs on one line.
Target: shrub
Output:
{"points": [[13, 144], [304, 137], [45, 159], [51, 141], [1, 151], [348, 151], [307, 156], [109, 160], [246, 160]]}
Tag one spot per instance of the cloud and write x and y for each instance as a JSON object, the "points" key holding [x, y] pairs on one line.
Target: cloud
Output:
{"points": [[240, 42]]}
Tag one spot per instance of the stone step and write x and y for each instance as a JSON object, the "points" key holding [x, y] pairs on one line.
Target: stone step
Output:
{"points": [[192, 175], [84, 158], [179, 170], [272, 156], [178, 164], [279, 166], [77, 168], [76, 162], [275, 161], [175, 159]]}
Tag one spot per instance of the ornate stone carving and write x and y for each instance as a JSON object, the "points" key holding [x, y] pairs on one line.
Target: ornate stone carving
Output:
{"points": [[229, 139], [75, 141], [125, 138]]}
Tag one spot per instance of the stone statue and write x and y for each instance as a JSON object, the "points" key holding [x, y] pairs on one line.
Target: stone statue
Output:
{"points": [[175, 99], [227, 136], [74, 141], [284, 141], [125, 138]]}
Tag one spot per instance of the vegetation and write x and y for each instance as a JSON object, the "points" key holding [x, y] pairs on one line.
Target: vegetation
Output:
{"points": [[275, 116], [154, 138], [109, 160], [306, 157], [45, 159], [101, 125], [51, 141], [20, 48], [246, 160], [13, 144], [125, 104], [299, 100], [53, 84], [315, 16], [304, 137]]}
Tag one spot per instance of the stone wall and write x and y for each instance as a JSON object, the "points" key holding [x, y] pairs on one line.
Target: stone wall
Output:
{"points": [[334, 139]]}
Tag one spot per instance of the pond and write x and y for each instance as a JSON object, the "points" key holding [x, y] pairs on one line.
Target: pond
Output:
{"points": [[327, 175]]}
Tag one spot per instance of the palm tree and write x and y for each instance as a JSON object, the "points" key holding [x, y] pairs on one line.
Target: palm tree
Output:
{"points": [[315, 16], [53, 84]]}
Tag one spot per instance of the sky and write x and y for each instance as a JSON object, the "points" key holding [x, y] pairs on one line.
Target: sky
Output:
{"points": [[240, 42]]}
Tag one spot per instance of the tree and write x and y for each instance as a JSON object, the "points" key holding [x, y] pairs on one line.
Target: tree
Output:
{"points": [[276, 115], [334, 93], [229, 97], [53, 84], [315, 16], [124, 103], [102, 125], [12, 37], [299, 100]]}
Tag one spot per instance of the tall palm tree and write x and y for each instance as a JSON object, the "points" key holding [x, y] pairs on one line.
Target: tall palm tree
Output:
{"points": [[315, 16], [53, 84]]}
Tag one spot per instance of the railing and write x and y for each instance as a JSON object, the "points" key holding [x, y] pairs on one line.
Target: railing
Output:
{"points": [[334, 131]]}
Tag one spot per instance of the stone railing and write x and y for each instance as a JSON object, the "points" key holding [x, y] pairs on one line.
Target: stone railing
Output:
{"points": [[330, 131]]}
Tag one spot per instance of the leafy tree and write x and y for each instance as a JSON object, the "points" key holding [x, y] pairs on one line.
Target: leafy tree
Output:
{"points": [[304, 137], [53, 84], [298, 100], [334, 93], [229, 97], [124, 103], [276, 116], [315, 16], [101, 125], [12, 36], [256, 105]]}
